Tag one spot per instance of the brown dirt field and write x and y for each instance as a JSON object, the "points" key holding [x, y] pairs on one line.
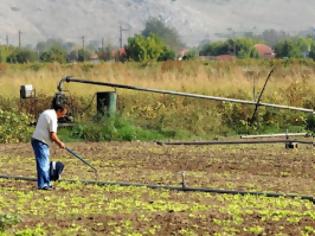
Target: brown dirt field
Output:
{"points": [[268, 168], [244, 167]]}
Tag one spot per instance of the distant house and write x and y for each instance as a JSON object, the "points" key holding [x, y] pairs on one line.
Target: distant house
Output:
{"points": [[182, 52], [264, 51], [119, 54], [94, 58]]}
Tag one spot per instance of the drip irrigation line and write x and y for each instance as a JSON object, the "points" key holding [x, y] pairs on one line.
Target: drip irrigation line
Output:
{"points": [[174, 188], [234, 142]]}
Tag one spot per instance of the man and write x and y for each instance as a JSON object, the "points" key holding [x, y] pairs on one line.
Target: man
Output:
{"points": [[44, 135]]}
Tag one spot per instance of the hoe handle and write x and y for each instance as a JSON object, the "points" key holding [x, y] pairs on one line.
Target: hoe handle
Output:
{"points": [[76, 155]]}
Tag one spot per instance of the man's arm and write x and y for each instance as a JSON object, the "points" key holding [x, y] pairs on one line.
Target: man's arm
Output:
{"points": [[54, 138]]}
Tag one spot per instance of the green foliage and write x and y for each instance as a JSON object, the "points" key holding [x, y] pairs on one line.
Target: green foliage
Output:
{"points": [[166, 54], [293, 48], [22, 55], [114, 128], [167, 34], [8, 220], [190, 55], [5, 52], [312, 51], [37, 231], [54, 54], [83, 55], [272, 37], [79, 55], [310, 123], [242, 48], [142, 48], [14, 127], [53, 43]]}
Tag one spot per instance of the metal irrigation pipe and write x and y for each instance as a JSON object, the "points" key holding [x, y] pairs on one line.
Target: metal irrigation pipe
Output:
{"points": [[174, 188], [233, 142], [223, 99], [283, 135]]}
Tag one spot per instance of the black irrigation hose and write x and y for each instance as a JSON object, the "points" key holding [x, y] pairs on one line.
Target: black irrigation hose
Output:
{"points": [[234, 142], [174, 188]]}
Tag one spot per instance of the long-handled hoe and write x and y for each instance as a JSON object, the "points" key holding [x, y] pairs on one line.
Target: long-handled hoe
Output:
{"points": [[76, 155]]}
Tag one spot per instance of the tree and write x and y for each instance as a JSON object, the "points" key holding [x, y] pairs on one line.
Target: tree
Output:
{"points": [[5, 52], [83, 55], [48, 44], [241, 47], [167, 34], [293, 48], [312, 51], [54, 54], [142, 48], [272, 37], [22, 55], [190, 55]]}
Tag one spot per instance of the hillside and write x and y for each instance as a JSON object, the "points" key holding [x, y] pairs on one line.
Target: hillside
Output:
{"points": [[195, 20]]}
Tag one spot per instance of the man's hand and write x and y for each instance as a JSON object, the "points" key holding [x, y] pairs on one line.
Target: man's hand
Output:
{"points": [[55, 139], [62, 145]]}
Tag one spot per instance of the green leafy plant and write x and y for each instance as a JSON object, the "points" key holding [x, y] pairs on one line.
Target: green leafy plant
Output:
{"points": [[14, 127], [8, 220]]}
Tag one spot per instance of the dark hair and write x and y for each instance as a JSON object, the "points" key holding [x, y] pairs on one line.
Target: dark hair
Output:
{"points": [[59, 102], [59, 108]]}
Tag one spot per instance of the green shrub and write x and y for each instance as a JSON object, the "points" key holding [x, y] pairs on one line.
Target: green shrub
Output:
{"points": [[114, 128], [8, 220], [54, 54], [310, 123], [142, 49], [22, 55], [14, 127]]}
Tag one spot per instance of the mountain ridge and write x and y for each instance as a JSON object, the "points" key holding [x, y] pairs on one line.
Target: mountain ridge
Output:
{"points": [[195, 20]]}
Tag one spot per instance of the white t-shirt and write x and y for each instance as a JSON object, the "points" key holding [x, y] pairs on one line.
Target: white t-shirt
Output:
{"points": [[47, 122]]}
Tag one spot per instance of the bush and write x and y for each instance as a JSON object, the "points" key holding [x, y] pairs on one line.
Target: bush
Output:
{"points": [[310, 123], [142, 49], [54, 54], [114, 128], [22, 56], [167, 34], [7, 220], [14, 127]]}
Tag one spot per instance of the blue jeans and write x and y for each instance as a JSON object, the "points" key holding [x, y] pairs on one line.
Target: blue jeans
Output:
{"points": [[41, 151]]}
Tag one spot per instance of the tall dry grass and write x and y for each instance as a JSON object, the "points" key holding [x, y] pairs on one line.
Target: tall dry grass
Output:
{"points": [[288, 83]]}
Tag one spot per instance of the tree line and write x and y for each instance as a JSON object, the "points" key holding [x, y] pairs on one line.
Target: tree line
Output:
{"points": [[160, 42]]}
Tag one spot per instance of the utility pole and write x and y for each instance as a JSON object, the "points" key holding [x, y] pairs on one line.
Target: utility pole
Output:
{"points": [[20, 33], [83, 47], [7, 40], [121, 30], [102, 44]]}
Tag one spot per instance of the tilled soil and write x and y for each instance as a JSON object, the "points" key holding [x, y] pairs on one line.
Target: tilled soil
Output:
{"points": [[267, 168], [247, 167]]}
